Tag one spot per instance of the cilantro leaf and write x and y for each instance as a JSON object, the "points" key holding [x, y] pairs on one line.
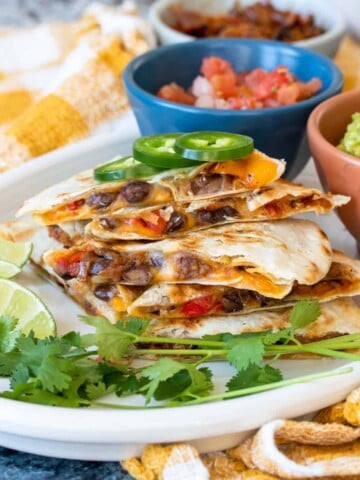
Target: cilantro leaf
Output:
{"points": [[19, 376], [54, 373], [112, 342], [187, 384], [201, 383], [253, 376], [129, 384], [173, 386], [96, 390], [8, 334], [245, 350], [137, 326], [43, 397], [161, 370], [303, 313], [281, 336]]}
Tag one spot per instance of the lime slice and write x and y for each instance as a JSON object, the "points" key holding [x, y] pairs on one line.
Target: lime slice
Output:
{"points": [[17, 253], [26, 307], [8, 270]]}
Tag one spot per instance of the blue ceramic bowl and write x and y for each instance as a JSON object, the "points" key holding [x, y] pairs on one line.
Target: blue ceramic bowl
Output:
{"points": [[278, 131]]}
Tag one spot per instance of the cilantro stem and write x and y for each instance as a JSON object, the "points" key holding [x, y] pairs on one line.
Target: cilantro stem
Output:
{"points": [[78, 356], [331, 353], [349, 337], [233, 394], [188, 352], [263, 388], [181, 341]]}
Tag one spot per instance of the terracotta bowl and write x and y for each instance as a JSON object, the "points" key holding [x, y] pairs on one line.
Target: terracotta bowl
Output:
{"points": [[339, 172]]}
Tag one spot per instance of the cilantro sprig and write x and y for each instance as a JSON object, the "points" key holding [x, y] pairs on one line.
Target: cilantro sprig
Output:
{"points": [[76, 370]]}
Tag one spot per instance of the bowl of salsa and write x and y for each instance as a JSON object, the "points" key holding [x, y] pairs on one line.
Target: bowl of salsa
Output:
{"points": [[278, 130]]}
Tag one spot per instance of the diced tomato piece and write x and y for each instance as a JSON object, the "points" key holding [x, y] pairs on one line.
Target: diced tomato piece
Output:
{"points": [[73, 269], [215, 66], [76, 204], [241, 77], [255, 77], [153, 221], [288, 94], [224, 85], [271, 102], [175, 93], [309, 88], [69, 265], [198, 306], [271, 83], [244, 99]]}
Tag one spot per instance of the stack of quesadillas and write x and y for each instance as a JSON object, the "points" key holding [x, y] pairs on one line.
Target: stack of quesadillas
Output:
{"points": [[197, 250]]}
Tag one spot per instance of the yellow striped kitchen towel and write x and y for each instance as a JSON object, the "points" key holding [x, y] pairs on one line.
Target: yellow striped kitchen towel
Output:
{"points": [[62, 82]]}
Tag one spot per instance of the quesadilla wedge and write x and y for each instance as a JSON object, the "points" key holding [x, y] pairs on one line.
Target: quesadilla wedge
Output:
{"points": [[191, 301], [199, 301], [106, 299], [81, 197], [267, 257], [337, 317], [278, 200]]}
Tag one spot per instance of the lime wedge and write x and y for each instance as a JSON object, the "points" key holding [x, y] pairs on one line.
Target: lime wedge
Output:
{"points": [[8, 270], [15, 252], [26, 307]]}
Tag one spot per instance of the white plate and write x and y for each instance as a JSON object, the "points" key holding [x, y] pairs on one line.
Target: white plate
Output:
{"points": [[104, 434]]}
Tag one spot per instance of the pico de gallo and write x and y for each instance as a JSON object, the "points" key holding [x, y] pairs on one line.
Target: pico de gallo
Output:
{"points": [[219, 86]]}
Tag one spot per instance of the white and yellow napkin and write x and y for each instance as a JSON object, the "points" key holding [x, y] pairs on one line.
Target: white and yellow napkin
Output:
{"points": [[62, 82]]}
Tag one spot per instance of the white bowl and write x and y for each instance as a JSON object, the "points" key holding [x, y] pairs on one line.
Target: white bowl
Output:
{"points": [[330, 18], [351, 12]]}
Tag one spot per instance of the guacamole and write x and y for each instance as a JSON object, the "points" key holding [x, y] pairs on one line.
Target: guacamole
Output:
{"points": [[350, 142]]}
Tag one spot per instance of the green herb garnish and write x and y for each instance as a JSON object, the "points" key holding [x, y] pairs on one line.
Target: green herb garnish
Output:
{"points": [[76, 370]]}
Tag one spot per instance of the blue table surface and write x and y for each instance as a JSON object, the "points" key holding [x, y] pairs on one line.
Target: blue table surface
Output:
{"points": [[16, 465], [22, 466]]}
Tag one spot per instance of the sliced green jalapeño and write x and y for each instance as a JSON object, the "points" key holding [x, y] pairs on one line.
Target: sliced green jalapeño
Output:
{"points": [[213, 146], [158, 151], [123, 168]]}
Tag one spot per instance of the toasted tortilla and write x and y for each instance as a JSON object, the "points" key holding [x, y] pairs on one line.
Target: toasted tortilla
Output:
{"points": [[93, 298], [339, 316], [267, 257], [191, 301], [280, 199], [41, 237], [81, 197]]}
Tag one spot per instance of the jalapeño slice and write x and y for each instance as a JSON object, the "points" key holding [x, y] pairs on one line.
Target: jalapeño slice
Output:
{"points": [[213, 146], [123, 168], [158, 151]]}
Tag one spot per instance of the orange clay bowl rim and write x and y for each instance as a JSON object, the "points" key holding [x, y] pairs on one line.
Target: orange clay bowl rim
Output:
{"points": [[314, 120]]}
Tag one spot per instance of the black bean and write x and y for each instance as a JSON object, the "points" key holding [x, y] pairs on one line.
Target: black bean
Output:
{"points": [[136, 191], [108, 223], [232, 301], [99, 265], [101, 200], [105, 292], [190, 266], [176, 221], [137, 275], [56, 232], [204, 184], [216, 216], [157, 259]]}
